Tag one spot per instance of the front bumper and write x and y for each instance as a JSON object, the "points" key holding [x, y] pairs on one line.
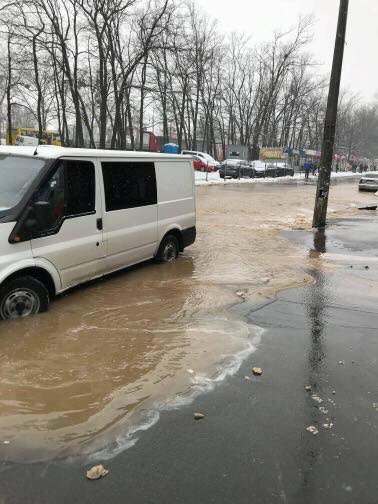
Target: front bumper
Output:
{"points": [[368, 187]]}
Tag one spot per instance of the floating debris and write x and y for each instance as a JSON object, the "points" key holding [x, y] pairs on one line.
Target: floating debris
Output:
{"points": [[317, 399], [368, 207], [257, 371], [312, 430], [97, 472], [341, 362], [242, 294], [198, 416], [328, 425], [323, 410], [308, 388]]}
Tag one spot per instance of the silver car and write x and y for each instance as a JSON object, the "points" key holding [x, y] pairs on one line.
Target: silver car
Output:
{"points": [[369, 183]]}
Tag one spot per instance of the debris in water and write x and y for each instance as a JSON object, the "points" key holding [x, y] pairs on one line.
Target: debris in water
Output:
{"points": [[190, 371], [368, 207], [334, 392], [6, 442], [242, 294], [257, 371], [341, 362], [313, 430], [323, 410], [375, 406], [247, 378], [308, 388], [198, 416], [316, 398], [328, 425], [97, 472]]}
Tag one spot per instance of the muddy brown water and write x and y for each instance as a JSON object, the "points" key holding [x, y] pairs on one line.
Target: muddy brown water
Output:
{"points": [[75, 379]]}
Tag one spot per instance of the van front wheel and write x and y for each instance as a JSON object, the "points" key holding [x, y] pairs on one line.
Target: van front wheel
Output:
{"points": [[22, 297], [168, 250]]}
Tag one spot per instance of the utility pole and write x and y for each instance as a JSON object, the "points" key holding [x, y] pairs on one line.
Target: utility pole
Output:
{"points": [[321, 201]]}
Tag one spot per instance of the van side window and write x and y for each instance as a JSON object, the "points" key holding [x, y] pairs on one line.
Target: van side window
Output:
{"points": [[129, 184], [71, 191], [80, 187]]}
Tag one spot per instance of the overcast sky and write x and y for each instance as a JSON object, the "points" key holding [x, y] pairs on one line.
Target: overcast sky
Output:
{"points": [[260, 18]]}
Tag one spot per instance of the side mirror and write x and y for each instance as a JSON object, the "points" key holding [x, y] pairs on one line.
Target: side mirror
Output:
{"points": [[42, 210], [27, 226], [30, 225]]}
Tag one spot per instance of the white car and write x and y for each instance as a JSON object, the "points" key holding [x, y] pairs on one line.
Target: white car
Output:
{"points": [[202, 155], [71, 215], [369, 183]]}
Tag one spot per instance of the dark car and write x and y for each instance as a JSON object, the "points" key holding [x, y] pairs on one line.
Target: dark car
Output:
{"points": [[236, 168], [279, 170]]}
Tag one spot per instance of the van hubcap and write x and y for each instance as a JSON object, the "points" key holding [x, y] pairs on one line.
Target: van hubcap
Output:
{"points": [[20, 303], [170, 252]]}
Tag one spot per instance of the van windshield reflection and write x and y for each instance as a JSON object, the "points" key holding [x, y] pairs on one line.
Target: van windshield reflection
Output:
{"points": [[16, 175]]}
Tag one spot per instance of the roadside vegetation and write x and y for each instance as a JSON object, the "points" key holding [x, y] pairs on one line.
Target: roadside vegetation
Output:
{"points": [[104, 71]]}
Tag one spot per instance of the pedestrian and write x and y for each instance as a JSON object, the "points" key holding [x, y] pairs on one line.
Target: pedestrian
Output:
{"points": [[307, 168]]}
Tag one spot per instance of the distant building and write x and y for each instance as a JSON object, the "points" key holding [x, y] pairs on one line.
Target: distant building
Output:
{"points": [[239, 151]]}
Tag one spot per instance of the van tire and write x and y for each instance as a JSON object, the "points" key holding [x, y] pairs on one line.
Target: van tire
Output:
{"points": [[169, 249], [22, 297]]}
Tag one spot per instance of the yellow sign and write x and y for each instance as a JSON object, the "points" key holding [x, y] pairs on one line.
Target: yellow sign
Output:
{"points": [[272, 153], [18, 136]]}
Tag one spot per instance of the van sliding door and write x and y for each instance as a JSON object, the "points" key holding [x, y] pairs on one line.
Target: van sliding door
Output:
{"points": [[130, 216]]}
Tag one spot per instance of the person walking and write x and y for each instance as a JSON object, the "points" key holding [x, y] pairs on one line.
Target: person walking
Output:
{"points": [[307, 168]]}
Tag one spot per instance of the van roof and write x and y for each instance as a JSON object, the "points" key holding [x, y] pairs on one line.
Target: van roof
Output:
{"points": [[52, 152]]}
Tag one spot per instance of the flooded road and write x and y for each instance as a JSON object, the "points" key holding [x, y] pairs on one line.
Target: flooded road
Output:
{"points": [[84, 377]]}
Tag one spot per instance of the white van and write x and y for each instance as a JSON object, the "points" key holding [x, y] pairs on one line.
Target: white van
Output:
{"points": [[70, 215]]}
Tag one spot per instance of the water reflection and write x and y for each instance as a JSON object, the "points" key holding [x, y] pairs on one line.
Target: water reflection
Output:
{"points": [[320, 242], [317, 299]]}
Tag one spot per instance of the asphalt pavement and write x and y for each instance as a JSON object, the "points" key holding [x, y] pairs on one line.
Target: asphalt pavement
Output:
{"points": [[252, 445]]}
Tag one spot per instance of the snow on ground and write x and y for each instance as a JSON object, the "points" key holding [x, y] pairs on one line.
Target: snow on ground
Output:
{"points": [[214, 178]]}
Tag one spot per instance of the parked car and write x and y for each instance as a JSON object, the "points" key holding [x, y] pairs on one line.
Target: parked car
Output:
{"points": [[214, 165], [279, 170], [200, 165], [259, 168], [236, 168], [369, 183], [71, 215]]}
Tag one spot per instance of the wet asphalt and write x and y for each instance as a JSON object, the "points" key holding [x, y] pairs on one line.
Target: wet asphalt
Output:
{"points": [[252, 445]]}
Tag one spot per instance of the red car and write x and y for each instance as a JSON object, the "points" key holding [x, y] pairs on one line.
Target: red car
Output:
{"points": [[199, 165]]}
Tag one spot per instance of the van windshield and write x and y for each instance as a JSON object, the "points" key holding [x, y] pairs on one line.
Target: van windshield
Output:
{"points": [[16, 175]]}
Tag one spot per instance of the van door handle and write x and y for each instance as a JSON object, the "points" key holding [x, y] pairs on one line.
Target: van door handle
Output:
{"points": [[99, 224]]}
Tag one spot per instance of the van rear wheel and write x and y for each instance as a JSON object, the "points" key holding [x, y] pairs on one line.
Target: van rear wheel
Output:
{"points": [[169, 249], [22, 297]]}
